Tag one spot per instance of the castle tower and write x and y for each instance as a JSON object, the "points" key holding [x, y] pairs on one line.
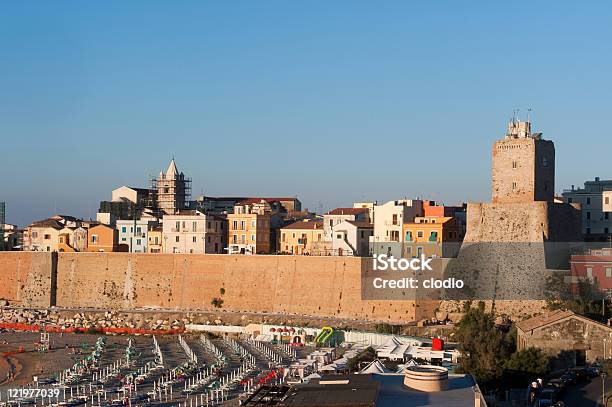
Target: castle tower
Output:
{"points": [[172, 189], [523, 166]]}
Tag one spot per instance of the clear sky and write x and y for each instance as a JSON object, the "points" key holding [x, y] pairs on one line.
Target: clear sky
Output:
{"points": [[333, 101]]}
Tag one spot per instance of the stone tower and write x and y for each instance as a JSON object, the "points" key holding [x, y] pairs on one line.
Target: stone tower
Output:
{"points": [[523, 166], [173, 190]]}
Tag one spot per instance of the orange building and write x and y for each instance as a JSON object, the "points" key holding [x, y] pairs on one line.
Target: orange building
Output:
{"points": [[249, 227], [428, 234], [102, 238]]}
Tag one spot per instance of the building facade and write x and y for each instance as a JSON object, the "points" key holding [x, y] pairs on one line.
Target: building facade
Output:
{"points": [[389, 219], [352, 238], [300, 237], [155, 238], [43, 235], [570, 338], [595, 200], [523, 166], [72, 239], [102, 238], [432, 236], [250, 227], [193, 232], [133, 235], [595, 266]]}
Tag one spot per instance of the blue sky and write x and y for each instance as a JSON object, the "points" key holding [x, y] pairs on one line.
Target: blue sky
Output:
{"points": [[331, 101]]}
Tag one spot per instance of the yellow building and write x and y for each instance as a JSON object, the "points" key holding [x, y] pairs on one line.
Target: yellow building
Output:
{"points": [[300, 237], [155, 240], [432, 236], [249, 227]]}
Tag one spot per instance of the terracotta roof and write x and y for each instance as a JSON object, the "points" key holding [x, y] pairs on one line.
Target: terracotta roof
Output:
{"points": [[551, 318], [347, 211], [311, 224], [47, 223]]}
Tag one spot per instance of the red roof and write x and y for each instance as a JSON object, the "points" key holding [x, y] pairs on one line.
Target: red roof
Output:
{"points": [[347, 211], [311, 224]]}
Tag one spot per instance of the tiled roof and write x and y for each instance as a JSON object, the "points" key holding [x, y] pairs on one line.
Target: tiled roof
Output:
{"points": [[305, 225], [347, 211], [551, 318]]}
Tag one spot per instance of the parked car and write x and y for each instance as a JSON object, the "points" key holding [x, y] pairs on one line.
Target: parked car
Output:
{"points": [[556, 384], [569, 377], [581, 374], [549, 397], [593, 371]]}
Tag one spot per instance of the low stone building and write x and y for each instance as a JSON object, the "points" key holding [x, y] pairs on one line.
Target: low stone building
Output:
{"points": [[567, 336]]}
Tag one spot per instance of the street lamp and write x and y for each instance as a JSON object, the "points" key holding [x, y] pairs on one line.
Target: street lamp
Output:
{"points": [[603, 388]]}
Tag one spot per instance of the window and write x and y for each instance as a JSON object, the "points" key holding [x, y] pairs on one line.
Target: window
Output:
{"points": [[177, 239], [138, 242], [395, 219], [177, 226], [253, 238], [242, 225], [235, 225], [339, 236], [607, 200], [194, 239], [606, 215], [419, 251], [570, 200], [138, 230], [253, 223], [606, 230], [420, 233], [194, 226], [293, 235], [94, 238], [588, 215], [34, 235], [588, 200], [242, 239], [47, 237], [123, 239], [123, 229], [514, 164], [514, 185], [588, 231], [589, 272], [608, 272], [283, 237], [183, 224], [544, 161]]}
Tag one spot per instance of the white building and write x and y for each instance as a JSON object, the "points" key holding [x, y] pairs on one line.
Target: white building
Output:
{"points": [[596, 211], [388, 222], [193, 232], [352, 238], [338, 215], [134, 234]]}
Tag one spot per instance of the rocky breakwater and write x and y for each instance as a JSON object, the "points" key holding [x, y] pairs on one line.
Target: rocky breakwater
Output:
{"points": [[90, 321]]}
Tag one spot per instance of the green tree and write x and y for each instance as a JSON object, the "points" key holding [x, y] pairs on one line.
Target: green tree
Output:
{"points": [[530, 361], [483, 346]]}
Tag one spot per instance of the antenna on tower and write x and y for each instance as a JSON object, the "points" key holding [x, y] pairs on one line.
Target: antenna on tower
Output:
{"points": [[529, 115]]}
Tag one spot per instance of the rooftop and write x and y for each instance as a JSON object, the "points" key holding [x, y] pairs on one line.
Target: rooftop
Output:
{"points": [[347, 211], [305, 224]]}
